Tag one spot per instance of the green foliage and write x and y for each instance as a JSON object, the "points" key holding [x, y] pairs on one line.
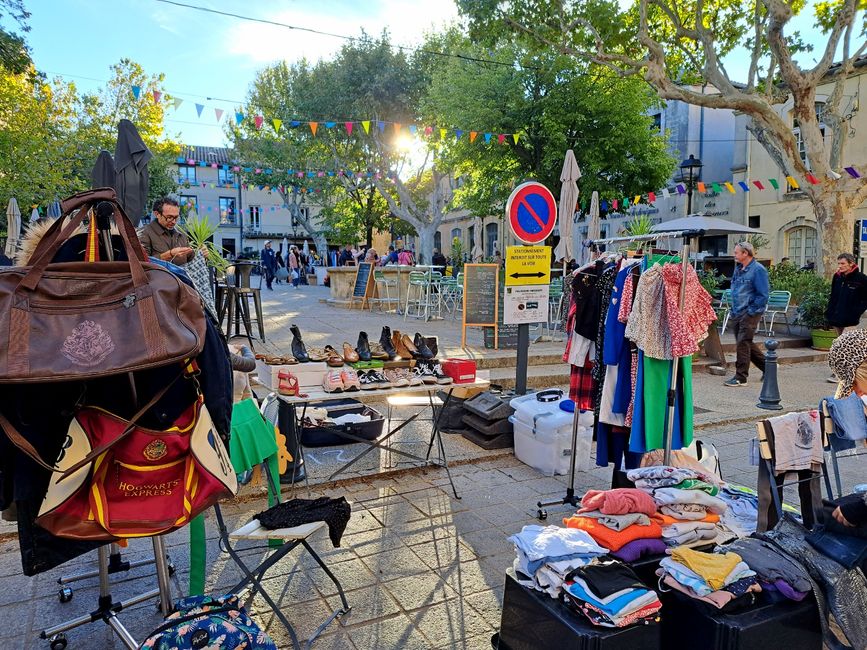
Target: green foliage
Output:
{"points": [[811, 308], [200, 232], [457, 255], [758, 241], [710, 279], [785, 277], [553, 103], [14, 54]]}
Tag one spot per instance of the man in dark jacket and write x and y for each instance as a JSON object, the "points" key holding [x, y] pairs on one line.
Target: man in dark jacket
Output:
{"points": [[848, 294], [269, 264]]}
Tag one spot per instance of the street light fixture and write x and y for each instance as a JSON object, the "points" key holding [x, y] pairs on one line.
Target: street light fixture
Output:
{"points": [[690, 174]]}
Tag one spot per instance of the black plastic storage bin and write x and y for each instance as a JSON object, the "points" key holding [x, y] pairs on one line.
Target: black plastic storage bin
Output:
{"points": [[687, 623], [532, 620], [327, 436]]}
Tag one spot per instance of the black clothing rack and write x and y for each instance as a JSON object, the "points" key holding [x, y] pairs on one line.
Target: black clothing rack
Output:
{"points": [[686, 235]]}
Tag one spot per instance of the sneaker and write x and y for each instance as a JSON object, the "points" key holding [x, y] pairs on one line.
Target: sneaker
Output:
{"points": [[366, 380], [350, 379], [436, 369], [332, 382], [413, 377], [379, 379], [833, 379], [734, 382], [396, 378], [423, 371]]}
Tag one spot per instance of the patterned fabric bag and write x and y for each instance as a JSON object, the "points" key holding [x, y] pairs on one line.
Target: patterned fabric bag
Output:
{"points": [[209, 622]]}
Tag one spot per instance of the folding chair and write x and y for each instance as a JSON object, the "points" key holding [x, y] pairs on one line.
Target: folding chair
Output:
{"points": [[859, 449], [778, 306], [290, 538]]}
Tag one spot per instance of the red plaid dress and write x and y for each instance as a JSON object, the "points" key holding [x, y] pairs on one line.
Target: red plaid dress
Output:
{"points": [[582, 387]]}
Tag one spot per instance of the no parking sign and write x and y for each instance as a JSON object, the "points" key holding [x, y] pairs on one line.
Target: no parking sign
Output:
{"points": [[532, 212]]}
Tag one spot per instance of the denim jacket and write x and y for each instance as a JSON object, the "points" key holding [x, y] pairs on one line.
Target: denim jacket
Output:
{"points": [[750, 289]]}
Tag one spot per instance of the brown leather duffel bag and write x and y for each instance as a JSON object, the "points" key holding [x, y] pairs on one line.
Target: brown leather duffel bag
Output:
{"points": [[79, 320]]}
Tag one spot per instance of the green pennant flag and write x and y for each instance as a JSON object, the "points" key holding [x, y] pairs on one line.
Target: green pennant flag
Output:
{"points": [[774, 183], [717, 188], [625, 202]]}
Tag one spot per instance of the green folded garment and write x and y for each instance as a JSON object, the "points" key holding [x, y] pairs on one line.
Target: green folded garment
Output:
{"points": [[695, 484], [367, 365]]}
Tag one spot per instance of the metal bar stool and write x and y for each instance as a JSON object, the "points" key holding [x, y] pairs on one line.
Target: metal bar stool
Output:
{"points": [[416, 293], [239, 305], [384, 286]]}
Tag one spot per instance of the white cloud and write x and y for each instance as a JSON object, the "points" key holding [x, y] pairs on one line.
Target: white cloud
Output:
{"points": [[407, 23]]}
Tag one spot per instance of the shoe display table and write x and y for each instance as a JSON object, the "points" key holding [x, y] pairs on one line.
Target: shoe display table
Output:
{"points": [[293, 408]]}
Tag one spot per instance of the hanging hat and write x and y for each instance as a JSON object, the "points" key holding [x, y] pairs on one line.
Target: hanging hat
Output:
{"points": [[267, 241], [847, 354]]}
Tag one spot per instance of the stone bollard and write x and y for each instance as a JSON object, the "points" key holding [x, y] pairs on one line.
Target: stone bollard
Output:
{"points": [[769, 398]]}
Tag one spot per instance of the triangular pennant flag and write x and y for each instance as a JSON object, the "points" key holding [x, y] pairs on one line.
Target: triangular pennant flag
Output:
{"points": [[487, 138], [759, 185], [396, 128], [852, 172], [218, 113], [744, 186], [177, 101], [365, 124], [381, 126], [515, 137], [665, 193], [716, 188], [501, 138], [774, 183], [199, 109], [604, 205], [157, 95], [295, 123], [277, 122], [348, 126], [458, 134], [136, 91], [730, 187], [680, 189], [258, 121], [239, 117], [625, 202], [313, 127], [813, 180], [793, 182], [636, 200], [428, 131], [330, 125], [442, 134], [651, 197], [701, 187], [614, 204], [473, 135]]}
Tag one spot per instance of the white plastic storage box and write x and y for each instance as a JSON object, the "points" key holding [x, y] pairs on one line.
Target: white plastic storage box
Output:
{"points": [[309, 374], [543, 433]]}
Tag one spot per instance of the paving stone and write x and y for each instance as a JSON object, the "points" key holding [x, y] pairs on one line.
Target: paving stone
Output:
{"points": [[449, 622], [368, 604], [305, 618], [397, 563], [397, 514], [352, 575], [372, 542], [484, 543], [386, 633], [419, 591], [488, 604], [443, 552]]}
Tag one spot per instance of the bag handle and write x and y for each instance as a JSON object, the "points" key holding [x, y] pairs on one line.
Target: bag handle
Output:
{"points": [[24, 445]]}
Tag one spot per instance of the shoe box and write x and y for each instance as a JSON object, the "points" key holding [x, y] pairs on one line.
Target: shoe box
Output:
{"points": [[309, 374], [326, 436], [462, 371]]}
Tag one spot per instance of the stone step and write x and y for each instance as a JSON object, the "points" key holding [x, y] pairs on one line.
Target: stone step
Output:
{"points": [[785, 356]]}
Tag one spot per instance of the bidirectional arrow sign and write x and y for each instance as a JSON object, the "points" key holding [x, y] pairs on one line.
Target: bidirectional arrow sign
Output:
{"points": [[532, 212], [528, 265]]}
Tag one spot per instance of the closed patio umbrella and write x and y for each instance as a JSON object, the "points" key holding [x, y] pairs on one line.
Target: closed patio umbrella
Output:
{"points": [[103, 174], [594, 225], [568, 198], [131, 157], [13, 227], [53, 210]]}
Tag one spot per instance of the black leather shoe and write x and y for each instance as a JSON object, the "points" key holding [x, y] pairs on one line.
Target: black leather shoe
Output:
{"points": [[385, 342], [424, 352], [298, 349], [363, 347]]}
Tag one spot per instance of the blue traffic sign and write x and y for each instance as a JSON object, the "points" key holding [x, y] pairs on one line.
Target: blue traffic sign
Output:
{"points": [[532, 212]]}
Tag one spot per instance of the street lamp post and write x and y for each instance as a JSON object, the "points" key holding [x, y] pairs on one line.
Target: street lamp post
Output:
{"points": [[690, 174]]}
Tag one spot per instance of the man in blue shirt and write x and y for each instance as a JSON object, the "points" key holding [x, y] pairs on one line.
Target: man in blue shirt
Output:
{"points": [[750, 289]]}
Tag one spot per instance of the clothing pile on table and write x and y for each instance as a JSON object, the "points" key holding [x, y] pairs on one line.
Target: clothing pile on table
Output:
{"points": [[775, 571], [622, 520], [609, 594], [624, 329], [722, 580], [545, 555], [742, 511]]}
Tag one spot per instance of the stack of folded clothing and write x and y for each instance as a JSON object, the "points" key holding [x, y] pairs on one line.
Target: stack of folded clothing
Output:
{"points": [[545, 555], [722, 580], [742, 511], [614, 518], [775, 571], [611, 595]]}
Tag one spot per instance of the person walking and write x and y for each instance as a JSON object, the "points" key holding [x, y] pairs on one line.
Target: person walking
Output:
{"points": [[269, 264], [848, 299], [750, 290], [294, 266]]}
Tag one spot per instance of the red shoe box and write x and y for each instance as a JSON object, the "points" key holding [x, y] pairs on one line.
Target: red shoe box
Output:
{"points": [[462, 371]]}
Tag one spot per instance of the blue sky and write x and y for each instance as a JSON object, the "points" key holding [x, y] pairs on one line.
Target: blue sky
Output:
{"points": [[209, 56]]}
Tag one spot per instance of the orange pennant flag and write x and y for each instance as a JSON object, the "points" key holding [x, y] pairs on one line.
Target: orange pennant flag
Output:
{"points": [[366, 126], [397, 128], [701, 187], [313, 127], [442, 134], [473, 135]]}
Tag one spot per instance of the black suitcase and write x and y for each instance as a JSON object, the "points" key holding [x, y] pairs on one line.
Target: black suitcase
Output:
{"points": [[327, 436], [532, 620]]}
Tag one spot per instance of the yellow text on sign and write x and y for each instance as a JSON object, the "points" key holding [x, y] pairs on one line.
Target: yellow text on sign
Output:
{"points": [[528, 265]]}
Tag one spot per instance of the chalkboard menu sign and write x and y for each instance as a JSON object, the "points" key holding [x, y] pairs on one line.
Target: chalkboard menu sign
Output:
{"points": [[363, 283], [481, 288]]}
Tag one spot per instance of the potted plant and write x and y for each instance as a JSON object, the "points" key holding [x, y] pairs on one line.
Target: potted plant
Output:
{"points": [[200, 231], [811, 314]]}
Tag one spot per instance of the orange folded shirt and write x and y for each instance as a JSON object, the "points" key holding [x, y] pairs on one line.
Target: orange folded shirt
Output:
{"points": [[614, 540], [668, 520]]}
